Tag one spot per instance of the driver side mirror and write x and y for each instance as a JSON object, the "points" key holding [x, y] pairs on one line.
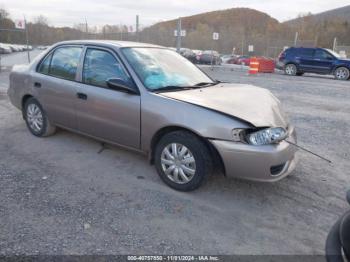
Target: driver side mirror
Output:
{"points": [[122, 86]]}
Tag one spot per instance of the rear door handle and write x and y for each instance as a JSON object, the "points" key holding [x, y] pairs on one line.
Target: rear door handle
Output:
{"points": [[37, 84], [82, 96]]}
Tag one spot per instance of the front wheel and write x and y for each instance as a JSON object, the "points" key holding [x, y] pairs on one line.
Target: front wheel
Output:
{"points": [[183, 161], [342, 73], [36, 119], [290, 69]]}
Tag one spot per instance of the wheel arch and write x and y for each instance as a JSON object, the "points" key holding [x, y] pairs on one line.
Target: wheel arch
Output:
{"points": [[25, 99], [340, 65], [216, 157], [23, 102], [292, 63]]}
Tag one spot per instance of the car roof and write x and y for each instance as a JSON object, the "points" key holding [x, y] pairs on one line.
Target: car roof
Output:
{"points": [[111, 43], [301, 47]]}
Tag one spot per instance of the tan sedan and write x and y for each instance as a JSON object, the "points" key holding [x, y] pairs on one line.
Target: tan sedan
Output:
{"points": [[152, 100]]}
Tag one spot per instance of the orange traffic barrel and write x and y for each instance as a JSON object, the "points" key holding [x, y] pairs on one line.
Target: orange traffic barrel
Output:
{"points": [[254, 66]]}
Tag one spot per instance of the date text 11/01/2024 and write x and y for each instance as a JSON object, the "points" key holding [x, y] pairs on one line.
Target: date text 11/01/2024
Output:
{"points": [[173, 258]]}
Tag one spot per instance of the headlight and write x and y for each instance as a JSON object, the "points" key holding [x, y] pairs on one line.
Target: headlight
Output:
{"points": [[266, 136]]}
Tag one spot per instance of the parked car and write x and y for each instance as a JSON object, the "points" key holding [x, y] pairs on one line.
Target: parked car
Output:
{"points": [[228, 59], [233, 60], [27, 47], [5, 49], [14, 48], [42, 47], [198, 54], [210, 57], [189, 54], [243, 60], [153, 100], [299, 60]]}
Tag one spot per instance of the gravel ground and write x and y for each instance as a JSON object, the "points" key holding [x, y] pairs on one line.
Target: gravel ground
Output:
{"points": [[59, 195]]}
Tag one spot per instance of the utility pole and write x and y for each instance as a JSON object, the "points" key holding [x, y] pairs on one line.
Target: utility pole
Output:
{"points": [[121, 32], [137, 28], [316, 41], [296, 38], [86, 28], [178, 36], [334, 44], [27, 40]]}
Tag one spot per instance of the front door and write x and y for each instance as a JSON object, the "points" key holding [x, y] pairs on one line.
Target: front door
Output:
{"points": [[323, 61], [102, 112]]}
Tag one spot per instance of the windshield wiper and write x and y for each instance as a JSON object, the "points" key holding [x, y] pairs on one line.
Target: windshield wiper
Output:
{"points": [[171, 88], [205, 84]]}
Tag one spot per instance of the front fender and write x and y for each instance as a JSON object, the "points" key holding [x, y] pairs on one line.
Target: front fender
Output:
{"points": [[158, 112]]}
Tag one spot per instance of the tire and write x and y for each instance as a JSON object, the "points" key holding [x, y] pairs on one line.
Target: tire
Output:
{"points": [[342, 73], [290, 69], [40, 126], [196, 172]]}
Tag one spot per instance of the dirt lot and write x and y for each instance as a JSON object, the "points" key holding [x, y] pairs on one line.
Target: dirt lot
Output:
{"points": [[59, 195]]}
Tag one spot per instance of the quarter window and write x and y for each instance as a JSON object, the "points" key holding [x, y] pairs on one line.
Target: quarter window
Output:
{"points": [[65, 61], [45, 65], [99, 66]]}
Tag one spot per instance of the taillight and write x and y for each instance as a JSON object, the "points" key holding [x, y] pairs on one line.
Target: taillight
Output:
{"points": [[282, 55]]}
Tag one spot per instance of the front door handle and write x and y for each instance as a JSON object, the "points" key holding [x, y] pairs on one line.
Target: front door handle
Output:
{"points": [[37, 84], [82, 96]]}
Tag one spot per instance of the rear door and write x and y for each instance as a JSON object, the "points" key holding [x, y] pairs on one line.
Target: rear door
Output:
{"points": [[102, 112], [55, 81], [305, 60], [323, 61]]}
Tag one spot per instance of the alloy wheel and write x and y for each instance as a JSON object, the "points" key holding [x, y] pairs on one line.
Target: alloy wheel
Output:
{"points": [[342, 73], [291, 70]]}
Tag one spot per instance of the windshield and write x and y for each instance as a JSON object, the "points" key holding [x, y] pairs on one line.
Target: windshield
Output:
{"points": [[161, 68], [334, 53]]}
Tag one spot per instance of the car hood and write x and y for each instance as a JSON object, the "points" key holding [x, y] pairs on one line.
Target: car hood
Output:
{"points": [[344, 60], [252, 104]]}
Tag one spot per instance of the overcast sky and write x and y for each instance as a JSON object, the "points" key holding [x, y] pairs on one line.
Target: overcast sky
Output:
{"points": [[100, 12]]}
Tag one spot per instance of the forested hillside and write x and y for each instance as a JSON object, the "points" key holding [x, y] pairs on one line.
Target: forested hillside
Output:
{"points": [[238, 28]]}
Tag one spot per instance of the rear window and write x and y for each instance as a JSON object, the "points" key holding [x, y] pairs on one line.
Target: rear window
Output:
{"points": [[305, 52], [64, 62]]}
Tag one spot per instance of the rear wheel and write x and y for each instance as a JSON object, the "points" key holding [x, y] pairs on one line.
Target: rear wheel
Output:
{"points": [[290, 69], [36, 119], [183, 161], [342, 73]]}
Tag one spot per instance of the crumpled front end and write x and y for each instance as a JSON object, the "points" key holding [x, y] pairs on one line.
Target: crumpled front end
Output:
{"points": [[267, 163]]}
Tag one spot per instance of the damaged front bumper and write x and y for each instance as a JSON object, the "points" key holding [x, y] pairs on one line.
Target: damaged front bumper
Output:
{"points": [[268, 163]]}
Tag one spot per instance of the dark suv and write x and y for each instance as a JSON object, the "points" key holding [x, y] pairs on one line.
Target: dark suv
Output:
{"points": [[299, 60]]}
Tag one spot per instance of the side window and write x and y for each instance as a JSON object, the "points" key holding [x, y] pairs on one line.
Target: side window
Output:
{"points": [[306, 52], [65, 61], [99, 66], [321, 54], [45, 65]]}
